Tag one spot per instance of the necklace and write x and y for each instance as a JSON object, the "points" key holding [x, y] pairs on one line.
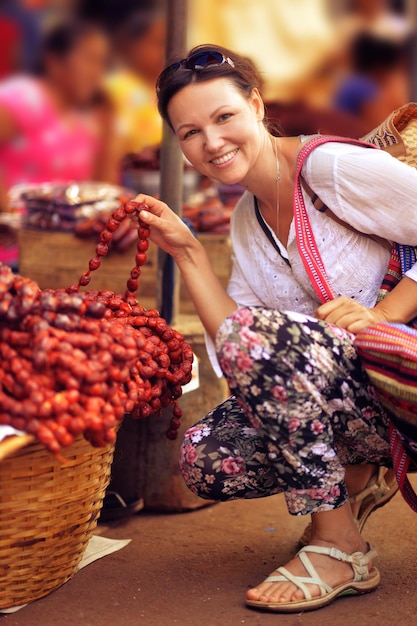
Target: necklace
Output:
{"points": [[277, 176]]}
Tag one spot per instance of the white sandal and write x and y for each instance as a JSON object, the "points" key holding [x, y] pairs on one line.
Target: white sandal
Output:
{"points": [[364, 581]]}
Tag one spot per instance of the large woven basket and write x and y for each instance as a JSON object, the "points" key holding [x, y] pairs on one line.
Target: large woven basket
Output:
{"points": [[48, 511]]}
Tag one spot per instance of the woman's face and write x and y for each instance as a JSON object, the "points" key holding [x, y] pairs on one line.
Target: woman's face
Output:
{"points": [[80, 73], [220, 130]]}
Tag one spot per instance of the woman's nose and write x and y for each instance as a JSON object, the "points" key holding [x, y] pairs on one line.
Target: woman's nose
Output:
{"points": [[214, 141]]}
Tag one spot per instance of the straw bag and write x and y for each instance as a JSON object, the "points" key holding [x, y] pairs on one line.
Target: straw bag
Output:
{"points": [[388, 352]]}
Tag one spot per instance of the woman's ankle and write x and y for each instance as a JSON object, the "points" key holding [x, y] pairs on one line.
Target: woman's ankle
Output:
{"points": [[337, 528]]}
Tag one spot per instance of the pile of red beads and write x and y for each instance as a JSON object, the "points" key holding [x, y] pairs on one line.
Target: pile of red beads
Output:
{"points": [[74, 363]]}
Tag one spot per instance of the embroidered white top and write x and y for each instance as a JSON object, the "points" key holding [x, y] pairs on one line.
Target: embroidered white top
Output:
{"points": [[368, 189]]}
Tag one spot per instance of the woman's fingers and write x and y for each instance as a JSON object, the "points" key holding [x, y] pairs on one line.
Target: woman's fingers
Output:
{"points": [[325, 310], [156, 207], [168, 231], [148, 217], [332, 311], [348, 314]]}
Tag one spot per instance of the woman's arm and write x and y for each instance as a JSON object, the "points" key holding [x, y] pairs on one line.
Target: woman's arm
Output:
{"points": [[368, 189], [8, 131], [398, 307], [168, 231], [8, 126]]}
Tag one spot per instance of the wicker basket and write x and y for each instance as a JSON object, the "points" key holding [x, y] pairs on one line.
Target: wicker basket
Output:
{"points": [[48, 511]]}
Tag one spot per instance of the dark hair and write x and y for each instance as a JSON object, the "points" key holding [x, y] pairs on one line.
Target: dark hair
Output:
{"points": [[62, 38], [372, 53], [138, 24], [243, 75]]}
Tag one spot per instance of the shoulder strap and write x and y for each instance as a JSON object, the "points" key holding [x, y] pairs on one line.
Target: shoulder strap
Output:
{"points": [[306, 243]]}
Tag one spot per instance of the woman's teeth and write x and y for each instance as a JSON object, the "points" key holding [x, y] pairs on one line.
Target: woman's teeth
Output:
{"points": [[224, 159]]}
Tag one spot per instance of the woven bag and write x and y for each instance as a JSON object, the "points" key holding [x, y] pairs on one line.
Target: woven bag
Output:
{"points": [[397, 135]]}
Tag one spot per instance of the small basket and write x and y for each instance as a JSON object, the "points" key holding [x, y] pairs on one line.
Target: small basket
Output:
{"points": [[48, 512]]}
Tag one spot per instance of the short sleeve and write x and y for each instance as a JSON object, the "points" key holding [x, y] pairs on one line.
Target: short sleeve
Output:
{"points": [[366, 188]]}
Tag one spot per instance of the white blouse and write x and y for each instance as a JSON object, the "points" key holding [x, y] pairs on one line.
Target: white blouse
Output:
{"points": [[368, 189]]}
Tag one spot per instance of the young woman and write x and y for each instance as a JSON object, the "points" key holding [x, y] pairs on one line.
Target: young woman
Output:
{"points": [[140, 41], [304, 419], [54, 126]]}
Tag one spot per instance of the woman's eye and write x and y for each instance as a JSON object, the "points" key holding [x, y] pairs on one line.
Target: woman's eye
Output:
{"points": [[224, 117], [190, 133]]}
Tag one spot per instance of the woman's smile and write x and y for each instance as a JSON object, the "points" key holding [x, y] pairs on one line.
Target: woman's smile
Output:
{"points": [[226, 159]]}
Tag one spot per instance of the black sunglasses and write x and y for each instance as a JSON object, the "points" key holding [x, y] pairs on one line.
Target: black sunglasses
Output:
{"points": [[195, 62]]}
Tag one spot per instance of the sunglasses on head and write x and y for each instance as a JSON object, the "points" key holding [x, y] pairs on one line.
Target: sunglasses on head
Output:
{"points": [[196, 62]]}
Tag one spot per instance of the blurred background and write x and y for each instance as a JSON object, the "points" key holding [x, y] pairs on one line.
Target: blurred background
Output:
{"points": [[77, 77]]}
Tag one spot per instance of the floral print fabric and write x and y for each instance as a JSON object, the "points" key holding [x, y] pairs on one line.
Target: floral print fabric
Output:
{"points": [[303, 408]]}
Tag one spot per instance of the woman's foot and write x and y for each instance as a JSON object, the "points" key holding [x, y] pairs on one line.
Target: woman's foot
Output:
{"points": [[332, 529], [331, 572]]}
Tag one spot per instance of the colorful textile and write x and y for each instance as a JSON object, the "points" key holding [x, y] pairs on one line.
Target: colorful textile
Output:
{"points": [[303, 409], [389, 355]]}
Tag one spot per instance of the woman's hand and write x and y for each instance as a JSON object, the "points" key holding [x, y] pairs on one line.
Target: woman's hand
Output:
{"points": [[168, 230], [349, 314]]}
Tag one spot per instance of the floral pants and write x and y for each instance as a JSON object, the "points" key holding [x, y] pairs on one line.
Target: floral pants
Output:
{"points": [[303, 408]]}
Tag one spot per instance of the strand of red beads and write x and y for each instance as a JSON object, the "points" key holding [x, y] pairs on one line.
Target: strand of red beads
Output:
{"points": [[162, 369]]}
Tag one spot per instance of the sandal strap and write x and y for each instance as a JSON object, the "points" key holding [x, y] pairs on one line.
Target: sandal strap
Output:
{"points": [[359, 561], [301, 582], [377, 486]]}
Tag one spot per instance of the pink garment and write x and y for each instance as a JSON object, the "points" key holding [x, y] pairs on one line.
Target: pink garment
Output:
{"points": [[49, 148]]}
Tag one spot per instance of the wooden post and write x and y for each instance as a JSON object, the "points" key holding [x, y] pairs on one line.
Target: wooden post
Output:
{"points": [[412, 16], [172, 167]]}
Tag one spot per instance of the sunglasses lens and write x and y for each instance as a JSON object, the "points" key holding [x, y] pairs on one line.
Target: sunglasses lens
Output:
{"points": [[200, 60], [197, 61]]}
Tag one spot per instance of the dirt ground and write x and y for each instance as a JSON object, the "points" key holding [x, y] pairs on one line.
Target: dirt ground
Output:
{"points": [[193, 568]]}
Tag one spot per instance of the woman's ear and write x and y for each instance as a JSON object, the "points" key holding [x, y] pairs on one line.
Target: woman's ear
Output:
{"points": [[258, 104]]}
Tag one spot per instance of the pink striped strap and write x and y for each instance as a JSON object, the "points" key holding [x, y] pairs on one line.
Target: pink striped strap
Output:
{"points": [[401, 461], [307, 246]]}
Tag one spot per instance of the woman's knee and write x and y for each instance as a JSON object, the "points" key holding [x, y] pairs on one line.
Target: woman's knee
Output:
{"points": [[195, 464]]}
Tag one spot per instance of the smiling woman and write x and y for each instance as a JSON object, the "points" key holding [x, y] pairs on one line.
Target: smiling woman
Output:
{"points": [[304, 419], [223, 139]]}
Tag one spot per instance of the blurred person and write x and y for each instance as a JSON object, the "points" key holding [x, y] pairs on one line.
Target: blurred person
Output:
{"points": [[54, 126], [379, 82], [140, 42], [304, 418]]}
